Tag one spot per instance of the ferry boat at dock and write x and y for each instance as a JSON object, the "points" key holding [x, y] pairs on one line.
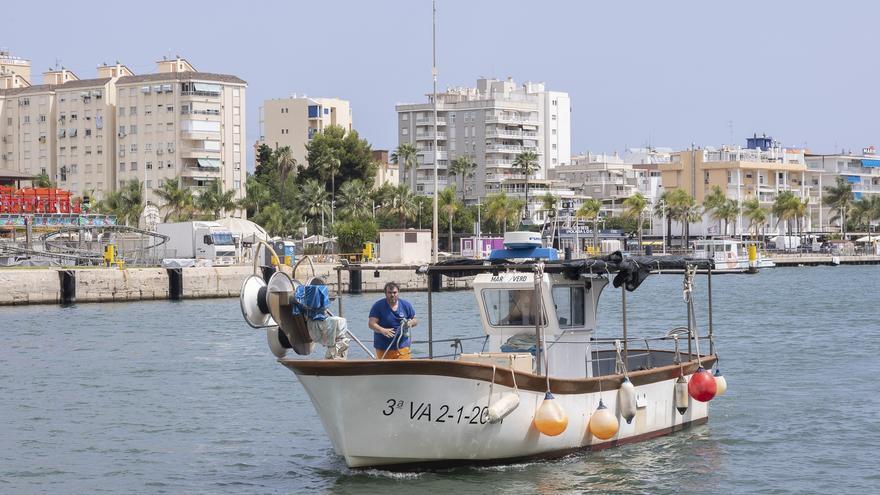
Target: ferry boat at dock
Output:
{"points": [[547, 382], [732, 256]]}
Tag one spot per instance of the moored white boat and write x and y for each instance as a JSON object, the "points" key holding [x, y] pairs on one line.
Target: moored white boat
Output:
{"points": [[545, 376], [731, 255]]}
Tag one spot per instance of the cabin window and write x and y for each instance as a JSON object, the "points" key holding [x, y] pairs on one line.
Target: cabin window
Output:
{"points": [[509, 307], [569, 303]]}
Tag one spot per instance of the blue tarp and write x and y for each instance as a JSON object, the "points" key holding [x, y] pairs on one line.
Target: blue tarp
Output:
{"points": [[853, 179], [313, 301], [870, 163]]}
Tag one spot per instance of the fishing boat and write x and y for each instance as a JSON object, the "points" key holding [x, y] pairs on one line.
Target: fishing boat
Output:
{"points": [[732, 256], [545, 382]]}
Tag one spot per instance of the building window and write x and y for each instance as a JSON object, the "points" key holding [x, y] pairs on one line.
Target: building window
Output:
{"points": [[134, 166], [730, 177], [133, 148], [405, 132], [122, 111], [132, 129], [149, 166], [705, 177], [133, 110]]}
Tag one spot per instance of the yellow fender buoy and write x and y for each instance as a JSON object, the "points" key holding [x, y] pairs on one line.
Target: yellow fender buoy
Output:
{"points": [[720, 383], [603, 424], [626, 400], [681, 395], [550, 418]]}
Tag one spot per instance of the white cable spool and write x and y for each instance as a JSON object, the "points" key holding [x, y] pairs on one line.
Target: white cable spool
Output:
{"points": [[626, 400], [275, 343]]}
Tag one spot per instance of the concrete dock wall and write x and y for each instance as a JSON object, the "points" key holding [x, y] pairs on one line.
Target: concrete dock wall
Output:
{"points": [[43, 286]]}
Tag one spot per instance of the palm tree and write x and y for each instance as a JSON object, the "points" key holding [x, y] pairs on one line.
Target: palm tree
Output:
{"points": [[714, 202], [755, 213], [683, 207], [313, 195], [256, 195], [860, 213], [449, 205], [329, 165], [502, 209], [214, 199], [463, 167], [286, 166], [354, 200], [728, 213], [406, 156], [178, 200], [785, 207], [527, 163], [403, 204], [662, 210], [590, 210], [127, 204], [635, 205], [840, 198]]}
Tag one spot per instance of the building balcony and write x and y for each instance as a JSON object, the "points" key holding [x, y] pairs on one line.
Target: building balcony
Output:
{"points": [[200, 153], [440, 121], [430, 136], [510, 134], [200, 135], [198, 95], [508, 119], [195, 172]]}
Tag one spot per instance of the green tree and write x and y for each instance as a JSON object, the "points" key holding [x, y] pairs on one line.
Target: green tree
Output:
{"points": [[503, 210], [728, 213], [328, 163], [354, 154], [286, 166], [314, 202], [354, 200], [178, 200], [127, 204], [213, 200], [785, 207], [462, 167], [403, 204], [713, 203], [42, 180], [256, 196], [589, 210], [755, 213], [839, 197], [352, 234], [662, 210], [449, 206], [279, 221], [527, 164], [406, 155], [635, 206], [683, 207]]}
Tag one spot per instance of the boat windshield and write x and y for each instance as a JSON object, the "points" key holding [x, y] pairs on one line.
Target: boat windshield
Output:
{"points": [[509, 307], [569, 303]]}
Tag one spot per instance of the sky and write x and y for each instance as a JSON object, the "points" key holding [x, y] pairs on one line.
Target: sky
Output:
{"points": [[666, 74]]}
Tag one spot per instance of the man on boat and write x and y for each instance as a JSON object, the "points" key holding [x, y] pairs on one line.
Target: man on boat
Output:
{"points": [[390, 320]]}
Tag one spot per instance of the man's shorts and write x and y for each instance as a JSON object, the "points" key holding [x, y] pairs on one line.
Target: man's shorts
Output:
{"points": [[394, 353]]}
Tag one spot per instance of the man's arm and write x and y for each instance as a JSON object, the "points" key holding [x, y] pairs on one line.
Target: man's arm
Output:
{"points": [[374, 326]]}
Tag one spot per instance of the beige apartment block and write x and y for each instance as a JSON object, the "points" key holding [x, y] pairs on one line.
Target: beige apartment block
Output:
{"points": [[386, 172], [10, 64], [741, 173], [180, 124], [294, 121], [491, 123], [86, 117], [27, 129]]}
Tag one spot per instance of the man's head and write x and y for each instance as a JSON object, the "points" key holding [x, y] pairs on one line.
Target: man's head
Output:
{"points": [[391, 292]]}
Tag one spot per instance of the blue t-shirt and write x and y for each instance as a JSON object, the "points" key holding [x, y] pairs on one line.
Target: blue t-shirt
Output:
{"points": [[391, 319]]}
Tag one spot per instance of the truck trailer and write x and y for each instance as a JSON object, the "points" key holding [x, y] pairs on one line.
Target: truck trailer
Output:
{"points": [[200, 240]]}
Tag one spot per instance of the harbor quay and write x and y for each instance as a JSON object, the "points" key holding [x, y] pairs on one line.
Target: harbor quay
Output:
{"points": [[68, 285]]}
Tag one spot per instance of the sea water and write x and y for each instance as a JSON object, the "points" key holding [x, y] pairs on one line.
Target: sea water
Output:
{"points": [[184, 397]]}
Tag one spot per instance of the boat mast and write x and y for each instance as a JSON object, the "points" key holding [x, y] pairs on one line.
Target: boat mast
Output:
{"points": [[435, 233]]}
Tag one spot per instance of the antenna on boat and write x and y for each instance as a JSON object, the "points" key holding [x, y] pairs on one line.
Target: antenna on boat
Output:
{"points": [[435, 232]]}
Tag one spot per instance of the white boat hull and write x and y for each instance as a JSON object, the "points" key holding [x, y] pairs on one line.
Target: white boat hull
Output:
{"points": [[378, 419]]}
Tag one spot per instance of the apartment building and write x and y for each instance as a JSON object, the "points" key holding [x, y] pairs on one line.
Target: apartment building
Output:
{"points": [[491, 123], [386, 172], [601, 176], [179, 123], [85, 135], [862, 172], [27, 128], [10, 64], [294, 121], [742, 173]]}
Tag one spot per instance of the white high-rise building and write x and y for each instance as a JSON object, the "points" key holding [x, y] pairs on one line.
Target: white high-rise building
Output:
{"points": [[491, 123]]}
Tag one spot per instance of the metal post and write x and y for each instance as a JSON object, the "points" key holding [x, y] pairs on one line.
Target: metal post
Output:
{"points": [[430, 319], [435, 230], [539, 346], [339, 289], [709, 287], [625, 337]]}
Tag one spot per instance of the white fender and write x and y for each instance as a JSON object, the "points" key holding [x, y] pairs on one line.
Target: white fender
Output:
{"points": [[681, 395], [626, 400], [720, 383], [503, 406]]}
